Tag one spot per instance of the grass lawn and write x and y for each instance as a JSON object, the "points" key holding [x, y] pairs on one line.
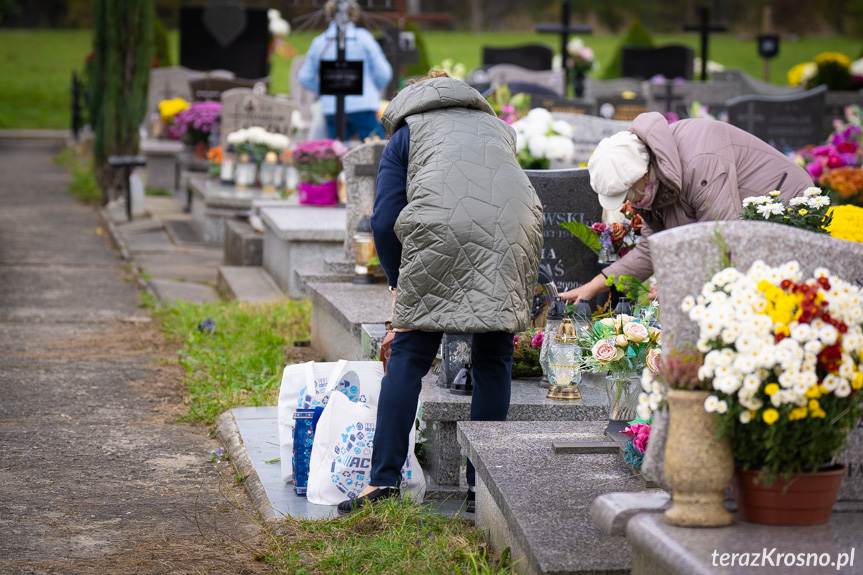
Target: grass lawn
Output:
{"points": [[36, 66]]}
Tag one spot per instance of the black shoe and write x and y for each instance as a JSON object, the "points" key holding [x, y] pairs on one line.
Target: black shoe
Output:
{"points": [[470, 501], [350, 505]]}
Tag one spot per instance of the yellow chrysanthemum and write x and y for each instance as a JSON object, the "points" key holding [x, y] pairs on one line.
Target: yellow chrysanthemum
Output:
{"points": [[820, 414], [814, 392], [831, 57], [857, 382], [801, 73], [170, 108], [770, 416], [847, 223], [771, 388], [798, 413], [803, 212], [814, 405]]}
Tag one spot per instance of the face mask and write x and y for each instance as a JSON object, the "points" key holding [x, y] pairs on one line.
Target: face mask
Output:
{"points": [[649, 192]]}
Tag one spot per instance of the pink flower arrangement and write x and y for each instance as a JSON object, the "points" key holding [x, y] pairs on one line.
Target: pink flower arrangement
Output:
{"points": [[639, 433], [319, 161], [537, 340], [198, 120]]}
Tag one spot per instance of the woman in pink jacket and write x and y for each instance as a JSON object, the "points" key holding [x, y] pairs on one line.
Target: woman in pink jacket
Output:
{"points": [[675, 174]]}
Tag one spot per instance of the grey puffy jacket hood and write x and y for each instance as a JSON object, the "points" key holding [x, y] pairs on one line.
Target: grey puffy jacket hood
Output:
{"points": [[471, 232]]}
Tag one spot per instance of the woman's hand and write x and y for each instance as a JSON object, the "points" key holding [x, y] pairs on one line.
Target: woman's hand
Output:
{"points": [[588, 291]]}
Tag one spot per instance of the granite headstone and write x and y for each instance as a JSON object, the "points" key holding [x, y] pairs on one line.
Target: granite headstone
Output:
{"points": [[613, 88], [589, 130], [646, 62], [361, 171], [621, 109], [785, 122], [169, 83], [530, 56], [562, 105], [686, 257], [242, 108], [678, 97], [566, 196], [554, 80], [210, 88]]}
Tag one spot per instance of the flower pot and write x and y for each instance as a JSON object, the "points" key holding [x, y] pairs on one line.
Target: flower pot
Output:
{"points": [[623, 391], [699, 466], [803, 499], [325, 194]]}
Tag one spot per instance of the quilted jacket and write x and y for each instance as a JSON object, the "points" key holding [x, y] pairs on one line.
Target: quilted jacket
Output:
{"points": [[705, 170], [471, 231]]}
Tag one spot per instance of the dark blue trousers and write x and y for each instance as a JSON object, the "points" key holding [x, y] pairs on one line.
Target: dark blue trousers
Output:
{"points": [[411, 357]]}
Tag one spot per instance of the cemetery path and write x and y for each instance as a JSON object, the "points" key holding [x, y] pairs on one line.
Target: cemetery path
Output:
{"points": [[95, 474]]}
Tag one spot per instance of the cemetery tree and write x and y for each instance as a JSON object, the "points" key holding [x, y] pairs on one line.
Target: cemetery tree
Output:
{"points": [[119, 77]]}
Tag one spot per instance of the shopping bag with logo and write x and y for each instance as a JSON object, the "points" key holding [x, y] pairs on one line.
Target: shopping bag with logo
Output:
{"points": [[309, 385], [342, 454]]}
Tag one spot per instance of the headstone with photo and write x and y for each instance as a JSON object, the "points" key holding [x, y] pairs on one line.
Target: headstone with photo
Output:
{"points": [[619, 108], [562, 105], [566, 196], [530, 56], [242, 108], [599, 89], [225, 35], [785, 122], [646, 62], [686, 257]]}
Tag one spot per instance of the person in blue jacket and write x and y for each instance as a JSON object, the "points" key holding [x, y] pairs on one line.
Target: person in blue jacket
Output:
{"points": [[360, 45]]}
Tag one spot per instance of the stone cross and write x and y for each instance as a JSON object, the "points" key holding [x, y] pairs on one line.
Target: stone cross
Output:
{"points": [[750, 117]]}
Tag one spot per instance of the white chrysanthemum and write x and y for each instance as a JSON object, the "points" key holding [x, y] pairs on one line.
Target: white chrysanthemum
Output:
{"points": [[538, 146], [771, 209], [819, 202], [745, 417], [647, 380], [757, 200], [843, 390], [798, 201], [687, 303], [831, 382], [653, 401], [828, 334], [702, 345], [801, 333], [751, 382], [711, 403], [540, 116], [643, 412], [562, 128], [705, 373], [810, 192], [722, 406], [728, 384]]}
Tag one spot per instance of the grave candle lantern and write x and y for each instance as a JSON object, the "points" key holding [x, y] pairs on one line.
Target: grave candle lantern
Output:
{"points": [[556, 311], [268, 173], [244, 175], [564, 369], [364, 250]]}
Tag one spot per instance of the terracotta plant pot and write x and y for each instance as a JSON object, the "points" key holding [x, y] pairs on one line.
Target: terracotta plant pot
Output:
{"points": [[804, 499], [699, 466]]}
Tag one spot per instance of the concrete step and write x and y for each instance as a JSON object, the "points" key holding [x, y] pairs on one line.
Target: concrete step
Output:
{"points": [[248, 283]]}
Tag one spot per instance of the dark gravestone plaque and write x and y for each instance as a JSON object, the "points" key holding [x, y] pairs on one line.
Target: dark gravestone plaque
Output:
{"points": [[622, 109], [341, 78], [785, 122], [562, 105], [669, 61], [566, 196], [225, 36], [531, 56]]}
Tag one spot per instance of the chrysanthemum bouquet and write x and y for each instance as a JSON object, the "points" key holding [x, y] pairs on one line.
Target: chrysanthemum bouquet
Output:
{"points": [[784, 356], [525, 357], [541, 139], [319, 161], [197, 121], [256, 142], [807, 212], [847, 223]]}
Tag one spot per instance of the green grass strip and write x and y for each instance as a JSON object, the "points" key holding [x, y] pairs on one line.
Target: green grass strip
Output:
{"points": [[241, 362], [390, 537]]}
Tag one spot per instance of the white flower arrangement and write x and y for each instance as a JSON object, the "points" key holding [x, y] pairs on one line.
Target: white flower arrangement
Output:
{"points": [[278, 25], [257, 135], [808, 212], [782, 353], [540, 138]]}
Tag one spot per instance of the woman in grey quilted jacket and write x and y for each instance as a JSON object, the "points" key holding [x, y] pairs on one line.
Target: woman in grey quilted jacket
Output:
{"points": [[458, 231], [695, 170]]}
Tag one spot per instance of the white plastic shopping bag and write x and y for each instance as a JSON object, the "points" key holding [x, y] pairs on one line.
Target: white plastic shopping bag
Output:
{"points": [[342, 454], [308, 385]]}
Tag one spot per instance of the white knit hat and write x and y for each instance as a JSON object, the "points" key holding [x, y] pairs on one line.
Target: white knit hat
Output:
{"points": [[616, 164]]}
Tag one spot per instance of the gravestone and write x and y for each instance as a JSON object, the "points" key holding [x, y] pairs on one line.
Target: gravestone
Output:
{"points": [[225, 35], [361, 171], [567, 106], [566, 196], [678, 97], [530, 56], [169, 83], [621, 109], [785, 122], [749, 85], [589, 130], [646, 62], [211, 88], [686, 257], [242, 108], [599, 89], [509, 73]]}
